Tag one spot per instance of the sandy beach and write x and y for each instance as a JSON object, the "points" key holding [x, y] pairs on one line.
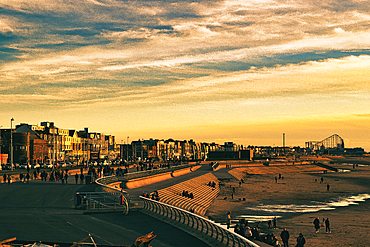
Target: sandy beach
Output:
{"points": [[295, 199]]}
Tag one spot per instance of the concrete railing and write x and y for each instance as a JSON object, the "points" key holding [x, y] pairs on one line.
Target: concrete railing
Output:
{"points": [[145, 173], [213, 234]]}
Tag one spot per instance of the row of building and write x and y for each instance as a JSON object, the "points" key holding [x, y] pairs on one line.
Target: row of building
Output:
{"points": [[46, 143]]}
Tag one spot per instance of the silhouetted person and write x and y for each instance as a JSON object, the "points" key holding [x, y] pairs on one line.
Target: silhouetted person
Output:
{"points": [[327, 225], [316, 223], [300, 240], [274, 221], [228, 219], [285, 237]]}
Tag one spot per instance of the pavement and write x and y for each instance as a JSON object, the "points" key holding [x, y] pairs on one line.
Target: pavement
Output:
{"points": [[44, 211]]}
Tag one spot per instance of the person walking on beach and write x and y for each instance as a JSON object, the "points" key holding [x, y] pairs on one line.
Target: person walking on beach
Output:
{"points": [[300, 240], [327, 187], [327, 225], [274, 222], [285, 237], [228, 219], [316, 222]]}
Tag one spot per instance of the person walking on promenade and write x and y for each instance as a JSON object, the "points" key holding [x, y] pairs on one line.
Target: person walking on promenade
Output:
{"points": [[285, 237], [228, 219], [66, 177], [76, 178], [4, 178], [327, 187], [82, 177], [316, 222], [300, 240], [327, 225], [274, 221]]}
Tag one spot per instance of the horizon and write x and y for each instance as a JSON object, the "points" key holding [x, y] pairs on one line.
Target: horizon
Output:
{"points": [[124, 141], [217, 71]]}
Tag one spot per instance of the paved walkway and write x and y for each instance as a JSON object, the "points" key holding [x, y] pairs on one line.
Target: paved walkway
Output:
{"points": [[44, 211]]}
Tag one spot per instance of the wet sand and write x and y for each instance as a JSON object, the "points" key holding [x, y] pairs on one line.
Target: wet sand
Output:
{"points": [[350, 225]]}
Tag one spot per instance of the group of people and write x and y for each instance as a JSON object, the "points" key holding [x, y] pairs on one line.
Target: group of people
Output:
{"points": [[8, 178], [186, 193], [272, 223], [249, 232], [284, 235], [55, 176], [154, 195], [253, 233], [325, 222], [212, 184]]}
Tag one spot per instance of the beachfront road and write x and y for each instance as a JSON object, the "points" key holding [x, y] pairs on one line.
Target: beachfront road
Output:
{"points": [[44, 211]]}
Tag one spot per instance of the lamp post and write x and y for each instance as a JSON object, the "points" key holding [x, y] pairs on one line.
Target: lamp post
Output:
{"points": [[127, 148], [11, 143]]}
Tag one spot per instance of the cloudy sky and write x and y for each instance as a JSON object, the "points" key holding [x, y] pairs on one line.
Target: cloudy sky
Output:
{"points": [[241, 71]]}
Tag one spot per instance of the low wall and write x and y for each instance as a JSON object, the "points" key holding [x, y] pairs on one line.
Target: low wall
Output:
{"points": [[139, 182]]}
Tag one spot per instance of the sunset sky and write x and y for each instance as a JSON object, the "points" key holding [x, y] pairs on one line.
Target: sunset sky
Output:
{"points": [[212, 71]]}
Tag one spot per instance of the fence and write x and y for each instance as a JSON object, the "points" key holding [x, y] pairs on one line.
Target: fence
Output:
{"points": [[100, 202], [119, 195], [218, 234]]}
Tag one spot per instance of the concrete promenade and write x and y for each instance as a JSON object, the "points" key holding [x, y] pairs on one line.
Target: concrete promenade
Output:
{"points": [[44, 211]]}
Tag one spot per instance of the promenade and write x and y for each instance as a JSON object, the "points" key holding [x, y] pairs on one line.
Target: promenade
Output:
{"points": [[44, 211]]}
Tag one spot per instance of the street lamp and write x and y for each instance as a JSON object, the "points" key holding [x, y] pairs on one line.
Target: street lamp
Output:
{"points": [[11, 143], [127, 148]]}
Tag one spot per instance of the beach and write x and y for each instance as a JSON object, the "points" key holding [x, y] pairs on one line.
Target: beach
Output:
{"points": [[297, 198]]}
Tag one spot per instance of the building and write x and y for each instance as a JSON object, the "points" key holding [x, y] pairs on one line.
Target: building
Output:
{"points": [[48, 144]]}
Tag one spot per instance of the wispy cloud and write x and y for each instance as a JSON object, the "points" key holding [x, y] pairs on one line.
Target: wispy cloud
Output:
{"points": [[172, 56]]}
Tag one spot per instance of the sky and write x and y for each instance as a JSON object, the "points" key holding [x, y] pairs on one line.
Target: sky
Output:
{"points": [[212, 71]]}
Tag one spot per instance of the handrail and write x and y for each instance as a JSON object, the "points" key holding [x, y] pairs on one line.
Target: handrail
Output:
{"points": [[203, 225], [105, 181]]}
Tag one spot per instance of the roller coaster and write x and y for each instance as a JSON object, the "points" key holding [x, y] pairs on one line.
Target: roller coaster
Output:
{"points": [[334, 141]]}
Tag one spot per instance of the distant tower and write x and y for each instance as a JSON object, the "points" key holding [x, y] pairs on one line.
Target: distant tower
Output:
{"points": [[283, 140]]}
